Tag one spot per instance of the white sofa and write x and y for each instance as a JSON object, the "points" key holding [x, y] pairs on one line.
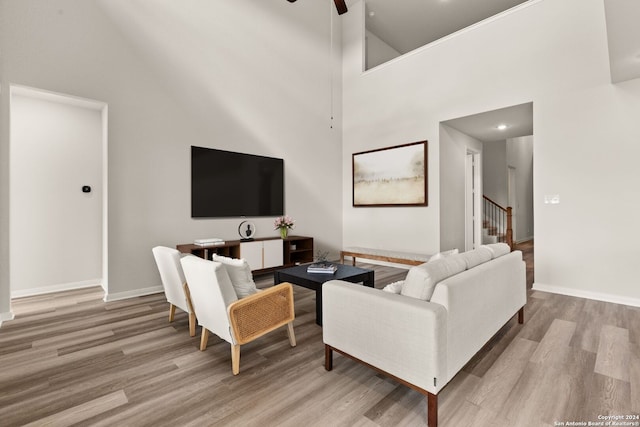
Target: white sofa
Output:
{"points": [[425, 339]]}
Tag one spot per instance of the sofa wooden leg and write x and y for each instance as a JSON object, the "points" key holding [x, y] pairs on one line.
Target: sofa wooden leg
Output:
{"points": [[521, 316], [328, 358], [432, 410]]}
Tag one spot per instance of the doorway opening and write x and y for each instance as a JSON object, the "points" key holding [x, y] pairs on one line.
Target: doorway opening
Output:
{"points": [[502, 173], [473, 194], [58, 192], [512, 199]]}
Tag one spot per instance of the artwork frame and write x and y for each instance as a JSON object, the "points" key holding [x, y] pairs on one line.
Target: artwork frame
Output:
{"points": [[391, 176]]}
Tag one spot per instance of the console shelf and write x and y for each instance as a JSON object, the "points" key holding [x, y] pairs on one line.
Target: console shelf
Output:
{"points": [[295, 250], [230, 248]]}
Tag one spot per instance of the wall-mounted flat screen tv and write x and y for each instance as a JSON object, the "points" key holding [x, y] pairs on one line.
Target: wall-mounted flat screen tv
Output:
{"points": [[226, 184]]}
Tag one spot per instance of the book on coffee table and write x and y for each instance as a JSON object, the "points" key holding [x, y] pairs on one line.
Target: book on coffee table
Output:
{"points": [[322, 267]]}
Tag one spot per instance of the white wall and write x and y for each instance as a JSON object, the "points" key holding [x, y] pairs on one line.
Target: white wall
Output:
{"points": [[520, 156], [454, 146], [553, 54], [494, 172], [378, 51], [244, 76], [56, 148]]}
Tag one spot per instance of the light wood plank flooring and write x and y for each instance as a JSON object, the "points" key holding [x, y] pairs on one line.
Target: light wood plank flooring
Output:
{"points": [[71, 359]]}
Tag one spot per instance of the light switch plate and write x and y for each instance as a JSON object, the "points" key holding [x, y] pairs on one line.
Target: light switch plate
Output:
{"points": [[551, 199]]}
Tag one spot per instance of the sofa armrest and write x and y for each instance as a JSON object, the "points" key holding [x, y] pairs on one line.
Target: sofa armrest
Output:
{"points": [[403, 336], [479, 301]]}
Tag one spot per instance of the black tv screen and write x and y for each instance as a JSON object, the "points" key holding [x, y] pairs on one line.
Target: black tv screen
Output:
{"points": [[227, 184]]}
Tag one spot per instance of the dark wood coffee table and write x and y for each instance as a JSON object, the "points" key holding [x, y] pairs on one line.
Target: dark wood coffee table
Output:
{"points": [[298, 276]]}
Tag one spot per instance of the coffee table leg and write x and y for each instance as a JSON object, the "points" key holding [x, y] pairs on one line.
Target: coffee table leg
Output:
{"points": [[369, 281], [319, 305]]}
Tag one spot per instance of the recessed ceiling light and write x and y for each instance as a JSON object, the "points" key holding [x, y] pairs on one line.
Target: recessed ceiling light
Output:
{"points": [[501, 126]]}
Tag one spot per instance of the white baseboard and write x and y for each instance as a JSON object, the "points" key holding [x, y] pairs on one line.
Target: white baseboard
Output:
{"points": [[598, 296], [6, 316], [55, 288], [132, 294]]}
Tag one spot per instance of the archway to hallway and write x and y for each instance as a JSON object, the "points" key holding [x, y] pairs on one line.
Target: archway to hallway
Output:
{"points": [[505, 139]]}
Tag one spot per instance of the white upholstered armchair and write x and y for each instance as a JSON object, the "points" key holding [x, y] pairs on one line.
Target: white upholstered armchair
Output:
{"points": [[174, 284], [237, 321]]}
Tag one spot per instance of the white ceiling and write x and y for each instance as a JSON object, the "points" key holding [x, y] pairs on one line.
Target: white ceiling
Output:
{"points": [[484, 126]]}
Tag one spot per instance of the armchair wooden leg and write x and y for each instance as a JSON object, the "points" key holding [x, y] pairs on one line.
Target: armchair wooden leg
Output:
{"points": [[328, 358], [292, 335], [172, 312], [521, 315], [192, 324], [204, 338], [235, 359], [432, 410]]}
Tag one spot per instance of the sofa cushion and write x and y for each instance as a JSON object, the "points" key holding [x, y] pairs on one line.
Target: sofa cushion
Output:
{"points": [[422, 279], [476, 256], [394, 288], [498, 249], [239, 272], [444, 254]]}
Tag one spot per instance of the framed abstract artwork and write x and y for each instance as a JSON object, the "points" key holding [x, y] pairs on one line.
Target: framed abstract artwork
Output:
{"points": [[392, 176]]}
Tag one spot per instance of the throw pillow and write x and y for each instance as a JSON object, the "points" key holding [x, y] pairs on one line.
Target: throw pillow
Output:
{"points": [[498, 249], [394, 288], [422, 279], [476, 256], [240, 274], [444, 254]]}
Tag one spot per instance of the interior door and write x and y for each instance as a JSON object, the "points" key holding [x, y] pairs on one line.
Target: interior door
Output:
{"points": [[513, 199]]}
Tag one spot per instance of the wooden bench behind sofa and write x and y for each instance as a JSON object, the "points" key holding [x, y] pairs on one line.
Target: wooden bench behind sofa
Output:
{"points": [[383, 255]]}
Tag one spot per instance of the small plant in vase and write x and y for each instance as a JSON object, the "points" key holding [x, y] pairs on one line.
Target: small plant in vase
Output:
{"points": [[284, 224]]}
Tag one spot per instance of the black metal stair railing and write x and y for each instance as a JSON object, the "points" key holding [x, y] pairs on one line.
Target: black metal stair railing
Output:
{"points": [[497, 220]]}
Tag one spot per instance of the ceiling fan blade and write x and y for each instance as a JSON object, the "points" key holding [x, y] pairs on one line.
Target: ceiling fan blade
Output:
{"points": [[340, 5]]}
